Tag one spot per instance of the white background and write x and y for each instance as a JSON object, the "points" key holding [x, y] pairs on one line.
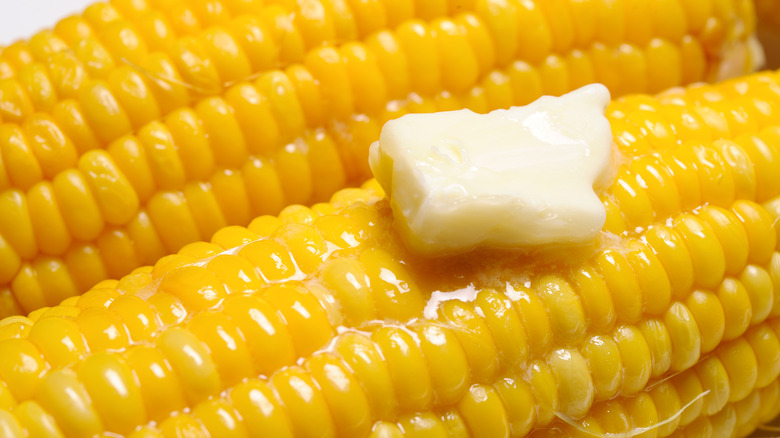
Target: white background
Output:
{"points": [[20, 19]]}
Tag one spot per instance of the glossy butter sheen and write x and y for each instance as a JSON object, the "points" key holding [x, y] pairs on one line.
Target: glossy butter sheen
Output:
{"points": [[511, 178]]}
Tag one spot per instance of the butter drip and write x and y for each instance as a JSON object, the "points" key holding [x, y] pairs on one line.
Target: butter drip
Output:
{"points": [[521, 177]]}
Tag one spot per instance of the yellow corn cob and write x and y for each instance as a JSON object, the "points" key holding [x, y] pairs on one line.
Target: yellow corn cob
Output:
{"points": [[319, 322], [131, 130]]}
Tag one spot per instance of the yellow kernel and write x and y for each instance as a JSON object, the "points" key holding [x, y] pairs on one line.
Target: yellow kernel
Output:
{"points": [[192, 362], [304, 402], [159, 385], [65, 398], [268, 339], [261, 411], [112, 388]]}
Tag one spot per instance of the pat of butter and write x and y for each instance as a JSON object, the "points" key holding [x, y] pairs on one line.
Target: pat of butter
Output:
{"points": [[521, 177]]}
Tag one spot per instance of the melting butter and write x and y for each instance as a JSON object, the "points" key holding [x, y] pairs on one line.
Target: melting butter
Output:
{"points": [[512, 178]]}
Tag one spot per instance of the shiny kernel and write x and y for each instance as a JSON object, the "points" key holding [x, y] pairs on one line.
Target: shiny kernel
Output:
{"points": [[102, 111], [169, 309], [603, 356], [263, 186], [60, 341], [545, 390], [233, 236], [651, 277], [392, 62], [759, 287], [16, 226], [737, 307], [200, 251], [758, 225], [396, 294], [303, 314], [113, 391], [170, 263], [229, 59], [454, 424], [306, 246], [113, 192], [37, 421], [643, 412], [690, 390], [220, 419], [366, 80], [22, 368], [346, 399], [230, 191], [742, 367], [636, 358], [271, 258], [102, 330], [664, 62], [765, 162], [192, 362], [26, 288], [447, 362], [765, 344], [660, 186], [67, 401], [623, 285], [237, 274], [304, 402], [14, 327], [475, 336], [668, 405], [417, 41], [747, 410], [714, 379], [254, 114], [731, 235], [685, 176], [196, 66], [226, 345], [535, 319], [54, 151], [707, 255], [505, 324], [159, 385], [264, 331], [136, 316], [155, 29], [196, 287], [484, 413], [707, 311], [346, 278], [134, 95], [370, 368], [223, 132], [685, 336], [407, 367], [182, 425], [78, 205], [519, 403], [204, 207], [16, 103], [261, 411], [515, 26], [612, 417], [575, 386]]}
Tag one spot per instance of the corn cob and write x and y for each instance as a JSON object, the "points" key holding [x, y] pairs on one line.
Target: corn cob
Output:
{"points": [[131, 130], [319, 322]]}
